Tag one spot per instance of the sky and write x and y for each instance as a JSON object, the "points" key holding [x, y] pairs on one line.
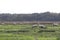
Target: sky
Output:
{"points": [[29, 6]]}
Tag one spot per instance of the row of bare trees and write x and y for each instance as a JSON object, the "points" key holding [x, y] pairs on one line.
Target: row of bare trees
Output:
{"points": [[46, 16]]}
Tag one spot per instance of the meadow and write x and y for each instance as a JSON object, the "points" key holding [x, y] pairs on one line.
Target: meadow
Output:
{"points": [[26, 32]]}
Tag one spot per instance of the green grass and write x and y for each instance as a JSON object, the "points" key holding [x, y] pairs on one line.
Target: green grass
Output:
{"points": [[33, 33]]}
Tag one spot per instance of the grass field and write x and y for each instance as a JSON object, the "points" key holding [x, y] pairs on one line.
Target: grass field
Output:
{"points": [[26, 32]]}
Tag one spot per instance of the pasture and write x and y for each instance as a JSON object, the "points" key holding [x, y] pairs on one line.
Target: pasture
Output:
{"points": [[26, 32]]}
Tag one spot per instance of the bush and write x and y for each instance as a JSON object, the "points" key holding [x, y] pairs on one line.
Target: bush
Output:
{"points": [[46, 31], [23, 31], [58, 38]]}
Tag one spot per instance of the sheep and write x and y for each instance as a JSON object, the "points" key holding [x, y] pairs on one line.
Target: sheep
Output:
{"points": [[33, 26], [55, 24], [42, 26], [2, 23], [14, 23]]}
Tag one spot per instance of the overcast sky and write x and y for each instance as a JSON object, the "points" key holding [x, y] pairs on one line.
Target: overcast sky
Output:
{"points": [[29, 6]]}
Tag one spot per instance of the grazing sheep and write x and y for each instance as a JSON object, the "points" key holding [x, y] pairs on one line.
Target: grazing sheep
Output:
{"points": [[42, 26], [2, 23], [55, 24], [33, 26], [15, 23]]}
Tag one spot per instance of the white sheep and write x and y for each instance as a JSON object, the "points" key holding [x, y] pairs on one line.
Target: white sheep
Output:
{"points": [[34, 26], [55, 24], [2, 23], [42, 26]]}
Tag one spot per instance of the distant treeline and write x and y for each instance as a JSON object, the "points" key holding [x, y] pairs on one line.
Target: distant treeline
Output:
{"points": [[46, 16]]}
